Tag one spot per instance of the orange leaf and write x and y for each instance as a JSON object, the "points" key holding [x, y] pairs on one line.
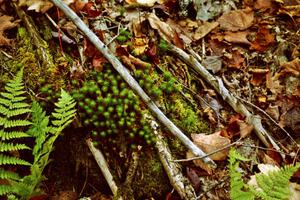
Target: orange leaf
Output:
{"points": [[263, 39], [292, 66], [237, 37]]}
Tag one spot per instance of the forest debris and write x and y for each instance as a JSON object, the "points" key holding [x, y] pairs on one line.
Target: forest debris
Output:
{"points": [[263, 39], [165, 30], [103, 166], [204, 29], [6, 23], [212, 142], [147, 3], [40, 5], [292, 67], [133, 83], [218, 85], [237, 20], [213, 63], [173, 169]]}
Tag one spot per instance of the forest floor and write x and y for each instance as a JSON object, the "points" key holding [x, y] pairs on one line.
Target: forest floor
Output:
{"points": [[244, 94]]}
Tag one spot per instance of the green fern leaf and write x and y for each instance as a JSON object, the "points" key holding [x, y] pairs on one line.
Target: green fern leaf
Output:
{"points": [[5, 189], [65, 111], [40, 127], [12, 135], [14, 123], [8, 175], [8, 160], [275, 184], [6, 147]]}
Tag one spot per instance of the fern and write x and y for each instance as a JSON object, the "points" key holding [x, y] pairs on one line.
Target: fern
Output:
{"points": [[271, 186], [238, 189], [14, 113], [12, 106], [275, 184]]}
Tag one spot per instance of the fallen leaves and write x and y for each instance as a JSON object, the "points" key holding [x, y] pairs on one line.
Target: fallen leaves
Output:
{"points": [[292, 67], [264, 38], [237, 20], [6, 23]]}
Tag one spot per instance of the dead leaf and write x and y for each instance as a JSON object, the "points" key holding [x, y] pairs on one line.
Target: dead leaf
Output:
{"points": [[234, 59], [164, 30], [237, 126], [237, 37], [237, 20], [139, 45], [204, 29], [273, 83], [258, 75], [147, 3], [273, 111], [40, 5], [263, 39], [292, 11], [263, 4], [199, 163], [292, 67], [211, 143], [213, 63], [6, 23], [291, 119]]}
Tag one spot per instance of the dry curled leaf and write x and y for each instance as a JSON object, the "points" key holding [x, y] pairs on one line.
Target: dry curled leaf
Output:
{"points": [[40, 5], [6, 23], [292, 67], [211, 143], [237, 20]]}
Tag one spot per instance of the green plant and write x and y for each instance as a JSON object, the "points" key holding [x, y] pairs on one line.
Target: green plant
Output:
{"points": [[271, 186], [108, 107], [14, 113]]}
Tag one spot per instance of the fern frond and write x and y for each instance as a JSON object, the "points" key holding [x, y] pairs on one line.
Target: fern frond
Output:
{"points": [[64, 112], [12, 135], [8, 175], [275, 184], [6, 123], [237, 187], [5, 189], [9, 160], [40, 127], [6, 147], [13, 112]]}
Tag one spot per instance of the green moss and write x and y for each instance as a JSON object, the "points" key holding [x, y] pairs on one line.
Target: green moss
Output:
{"points": [[151, 177]]}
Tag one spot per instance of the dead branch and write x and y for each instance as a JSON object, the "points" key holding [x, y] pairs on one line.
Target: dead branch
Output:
{"points": [[103, 166], [180, 183], [132, 82], [217, 84]]}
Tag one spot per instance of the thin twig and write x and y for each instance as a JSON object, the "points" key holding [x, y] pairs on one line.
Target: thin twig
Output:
{"points": [[209, 154], [265, 113]]}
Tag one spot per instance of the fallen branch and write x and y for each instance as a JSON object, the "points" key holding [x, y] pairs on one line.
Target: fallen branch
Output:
{"points": [[132, 82], [180, 183], [104, 167], [217, 85]]}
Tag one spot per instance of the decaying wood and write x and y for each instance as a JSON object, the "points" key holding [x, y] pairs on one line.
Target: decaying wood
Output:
{"points": [[41, 45], [179, 182], [217, 84], [104, 167], [132, 82]]}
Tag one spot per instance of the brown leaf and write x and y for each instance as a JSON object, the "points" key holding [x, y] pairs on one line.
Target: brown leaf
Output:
{"points": [[263, 39], [237, 20], [40, 5], [204, 29], [234, 59], [291, 119], [164, 30], [6, 24], [292, 11], [199, 163], [237, 37], [258, 75], [211, 143], [292, 66], [263, 4]]}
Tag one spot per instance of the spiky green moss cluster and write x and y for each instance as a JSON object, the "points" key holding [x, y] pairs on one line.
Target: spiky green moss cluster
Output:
{"points": [[48, 93], [156, 85], [123, 36], [108, 107]]}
